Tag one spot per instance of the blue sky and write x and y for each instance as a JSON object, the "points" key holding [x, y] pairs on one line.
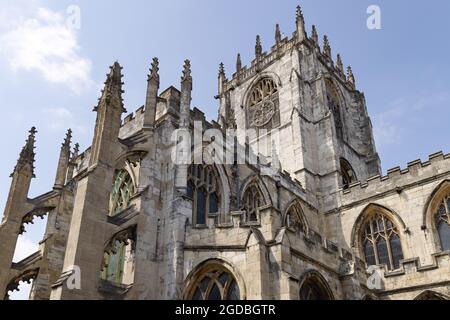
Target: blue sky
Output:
{"points": [[51, 75]]}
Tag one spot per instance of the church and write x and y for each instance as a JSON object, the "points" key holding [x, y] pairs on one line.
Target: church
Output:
{"points": [[294, 206]]}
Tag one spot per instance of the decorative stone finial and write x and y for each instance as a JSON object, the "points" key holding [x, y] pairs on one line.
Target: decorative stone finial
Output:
{"points": [[258, 47], [27, 154], [351, 77], [238, 63], [154, 70], [68, 139], [76, 151], [277, 34], [326, 47], [300, 21], [315, 35], [113, 86], [339, 64], [186, 79]]}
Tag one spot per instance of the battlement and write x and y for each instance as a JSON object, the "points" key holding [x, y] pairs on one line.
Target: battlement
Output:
{"points": [[397, 178], [283, 46]]}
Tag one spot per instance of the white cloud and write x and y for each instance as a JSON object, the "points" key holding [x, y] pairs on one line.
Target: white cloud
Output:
{"points": [[43, 42], [61, 119]]}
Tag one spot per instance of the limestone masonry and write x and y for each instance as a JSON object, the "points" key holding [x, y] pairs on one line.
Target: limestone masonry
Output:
{"points": [[126, 221]]}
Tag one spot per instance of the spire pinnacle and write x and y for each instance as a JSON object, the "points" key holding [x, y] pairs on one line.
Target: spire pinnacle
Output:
{"points": [[27, 154], [339, 64], [300, 21], [315, 35], [154, 70], [326, 47], [351, 77], [299, 15], [68, 139], [238, 63], [186, 79], [113, 86], [258, 47], [277, 34], [221, 69], [76, 151]]}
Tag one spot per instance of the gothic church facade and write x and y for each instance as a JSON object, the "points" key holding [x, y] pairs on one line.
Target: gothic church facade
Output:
{"points": [[324, 224]]}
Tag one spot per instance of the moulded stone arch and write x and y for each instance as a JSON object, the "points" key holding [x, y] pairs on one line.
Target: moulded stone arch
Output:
{"points": [[365, 215], [255, 179], [348, 173], [26, 276], [431, 295], [222, 185], [332, 85], [318, 279], [259, 237], [433, 202], [302, 217], [263, 75], [40, 212], [430, 210], [198, 271], [225, 188]]}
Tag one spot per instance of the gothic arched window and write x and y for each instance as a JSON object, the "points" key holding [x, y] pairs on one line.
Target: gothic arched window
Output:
{"points": [[381, 242], [334, 104], [118, 259], [347, 173], [263, 105], [442, 219], [251, 202], [215, 284], [122, 191], [203, 189]]}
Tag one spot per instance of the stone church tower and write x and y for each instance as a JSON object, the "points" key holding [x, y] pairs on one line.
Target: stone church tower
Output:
{"points": [[292, 206]]}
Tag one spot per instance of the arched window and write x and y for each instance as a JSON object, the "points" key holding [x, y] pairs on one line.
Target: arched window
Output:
{"points": [[216, 283], [334, 104], [203, 189], [118, 259], [381, 242], [347, 173], [442, 219], [252, 201], [122, 191], [263, 105], [314, 287], [294, 218]]}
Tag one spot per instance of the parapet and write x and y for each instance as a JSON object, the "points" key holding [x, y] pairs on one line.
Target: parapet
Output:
{"points": [[397, 179]]}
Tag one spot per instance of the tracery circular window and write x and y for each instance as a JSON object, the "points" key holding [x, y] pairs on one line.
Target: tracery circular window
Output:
{"points": [[262, 103]]}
